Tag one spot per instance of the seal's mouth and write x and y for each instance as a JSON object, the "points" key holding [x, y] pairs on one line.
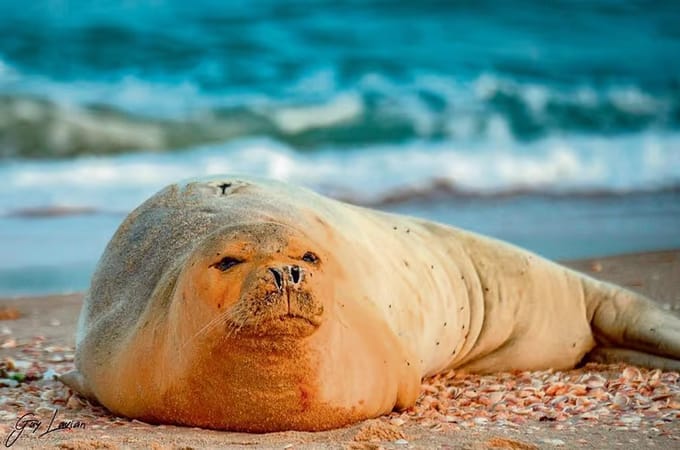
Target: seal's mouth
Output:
{"points": [[285, 325]]}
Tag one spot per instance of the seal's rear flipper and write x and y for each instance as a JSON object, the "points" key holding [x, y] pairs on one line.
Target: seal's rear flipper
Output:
{"points": [[76, 382], [631, 328]]}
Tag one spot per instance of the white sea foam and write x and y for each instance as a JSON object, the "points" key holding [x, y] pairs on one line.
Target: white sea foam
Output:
{"points": [[578, 164], [421, 106], [632, 100], [342, 108]]}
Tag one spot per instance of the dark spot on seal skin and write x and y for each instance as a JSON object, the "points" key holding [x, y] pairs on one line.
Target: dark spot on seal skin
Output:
{"points": [[462, 308], [445, 323], [486, 289], [394, 228], [219, 305], [574, 345], [431, 267], [437, 342], [224, 187], [406, 263], [463, 326], [408, 230], [453, 352], [389, 306], [652, 330]]}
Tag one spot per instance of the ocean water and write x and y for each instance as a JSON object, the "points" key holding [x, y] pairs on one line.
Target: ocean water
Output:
{"points": [[555, 125]]}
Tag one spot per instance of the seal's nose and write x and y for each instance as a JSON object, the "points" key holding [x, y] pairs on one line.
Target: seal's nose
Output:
{"points": [[295, 274], [278, 279]]}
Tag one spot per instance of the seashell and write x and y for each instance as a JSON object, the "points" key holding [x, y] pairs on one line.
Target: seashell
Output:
{"points": [[555, 389], [631, 373], [673, 404], [397, 421], [496, 397], [630, 419], [595, 381], [662, 396], [6, 415], [428, 388], [9, 343], [578, 389], [44, 410], [620, 401]]}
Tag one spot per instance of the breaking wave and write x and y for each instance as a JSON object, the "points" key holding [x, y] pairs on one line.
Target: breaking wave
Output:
{"points": [[63, 119], [577, 165]]}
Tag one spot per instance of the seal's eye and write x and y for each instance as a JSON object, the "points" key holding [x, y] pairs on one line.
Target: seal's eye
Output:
{"points": [[310, 258], [226, 263]]}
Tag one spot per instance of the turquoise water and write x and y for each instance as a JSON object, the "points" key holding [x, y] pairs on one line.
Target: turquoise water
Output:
{"points": [[555, 125]]}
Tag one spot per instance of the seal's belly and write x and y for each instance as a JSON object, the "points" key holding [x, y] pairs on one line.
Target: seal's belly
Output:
{"points": [[484, 306], [534, 312]]}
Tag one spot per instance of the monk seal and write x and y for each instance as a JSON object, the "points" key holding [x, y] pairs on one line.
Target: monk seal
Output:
{"points": [[244, 304]]}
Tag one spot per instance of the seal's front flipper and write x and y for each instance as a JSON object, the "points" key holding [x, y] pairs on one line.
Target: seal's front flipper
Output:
{"points": [[76, 382], [610, 355], [623, 320]]}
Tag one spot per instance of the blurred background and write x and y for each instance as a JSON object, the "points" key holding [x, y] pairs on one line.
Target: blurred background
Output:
{"points": [[554, 125]]}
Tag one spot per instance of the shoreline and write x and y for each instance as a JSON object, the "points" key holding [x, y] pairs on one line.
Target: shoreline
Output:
{"points": [[44, 336], [44, 255]]}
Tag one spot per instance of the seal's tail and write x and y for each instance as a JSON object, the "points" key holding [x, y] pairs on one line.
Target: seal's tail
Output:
{"points": [[631, 328]]}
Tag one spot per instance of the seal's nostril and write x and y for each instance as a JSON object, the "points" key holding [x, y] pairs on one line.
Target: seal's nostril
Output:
{"points": [[224, 187], [295, 274], [277, 277]]}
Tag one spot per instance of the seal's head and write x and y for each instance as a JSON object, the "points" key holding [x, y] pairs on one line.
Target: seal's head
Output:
{"points": [[255, 281], [259, 327]]}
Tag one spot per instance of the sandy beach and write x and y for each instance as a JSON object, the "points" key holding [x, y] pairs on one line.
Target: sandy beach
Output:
{"points": [[590, 407]]}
